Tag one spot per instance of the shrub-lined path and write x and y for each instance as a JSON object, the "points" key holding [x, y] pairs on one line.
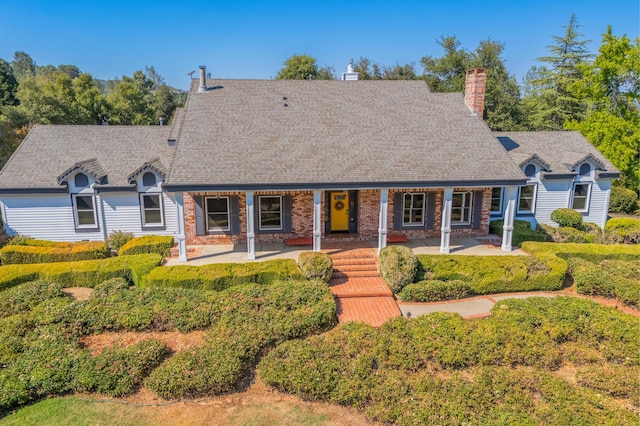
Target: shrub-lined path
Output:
{"points": [[361, 293]]}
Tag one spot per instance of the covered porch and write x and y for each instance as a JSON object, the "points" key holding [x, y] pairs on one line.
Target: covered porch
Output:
{"points": [[237, 253]]}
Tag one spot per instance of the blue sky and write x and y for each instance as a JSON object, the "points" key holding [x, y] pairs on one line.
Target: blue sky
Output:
{"points": [[251, 39]]}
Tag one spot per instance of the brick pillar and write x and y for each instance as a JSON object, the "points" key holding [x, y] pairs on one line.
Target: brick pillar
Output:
{"points": [[476, 82]]}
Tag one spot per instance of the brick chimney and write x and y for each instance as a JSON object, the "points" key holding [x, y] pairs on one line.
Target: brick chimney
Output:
{"points": [[476, 82]]}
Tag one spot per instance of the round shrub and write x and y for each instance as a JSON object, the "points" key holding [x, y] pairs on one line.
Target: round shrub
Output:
{"points": [[316, 265], [567, 217], [119, 238], [434, 291], [624, 229], [398, 266], [623, 200]]}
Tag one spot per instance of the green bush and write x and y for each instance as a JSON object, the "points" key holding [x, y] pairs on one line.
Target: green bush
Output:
{"points": [[626, 230], [120, 371], [148, 244], [27, 296], [521, 231], [408, 371], [434, 291], [614, 380], [20, 240], [110, 287], [219, 276], [316, 265], [398, 266], [60, 252], [608, 277], [566, 234], [622, 200], [86, 273], [567, 217], [117, 239]]}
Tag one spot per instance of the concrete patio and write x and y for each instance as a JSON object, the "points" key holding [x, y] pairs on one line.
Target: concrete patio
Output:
{"points": [[202, 255]]}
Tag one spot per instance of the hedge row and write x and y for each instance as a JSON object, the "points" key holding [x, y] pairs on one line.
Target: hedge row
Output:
{"points": [[41, 354], [619, 279], [219, 276], [434, 291], [60, 252], [148, 244], [86, 273], [521, 231], [389, 372]]}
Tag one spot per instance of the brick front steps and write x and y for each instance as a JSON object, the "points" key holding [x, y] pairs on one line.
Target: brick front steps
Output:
{"points": [[361, 294]]}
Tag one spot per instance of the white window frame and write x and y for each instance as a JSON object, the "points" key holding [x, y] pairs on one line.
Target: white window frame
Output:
{"points": [[206, 212], [467, 195], [587, 198], [533, 199], [411, 208], [143, 209], [500, 201], [281, 211], [94, 225]]}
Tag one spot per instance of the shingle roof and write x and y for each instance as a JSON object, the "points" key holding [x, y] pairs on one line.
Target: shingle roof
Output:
{"points": [[48, 151], [91, 167], [155, 165], [562, 151], [247, 132]]}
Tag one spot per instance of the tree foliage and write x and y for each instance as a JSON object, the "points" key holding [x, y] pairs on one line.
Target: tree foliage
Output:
{"points": [[610, 90], [8, 85], [304, 67], [368, 70]]}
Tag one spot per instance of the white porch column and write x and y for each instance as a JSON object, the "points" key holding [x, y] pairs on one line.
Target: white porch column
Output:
{"points": [[181, 237], [384, 213], [445, 234], [251, 236], [509, 217], [317, 216]]}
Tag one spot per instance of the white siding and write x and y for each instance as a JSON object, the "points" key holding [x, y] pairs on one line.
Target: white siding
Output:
{"points": [[122, 213], [46, 217], [599, 202]]}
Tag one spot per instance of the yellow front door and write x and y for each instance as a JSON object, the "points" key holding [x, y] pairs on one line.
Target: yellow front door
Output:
{"points": [[339, 211]]}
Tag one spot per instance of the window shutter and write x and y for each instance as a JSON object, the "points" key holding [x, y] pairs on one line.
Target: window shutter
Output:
{"points": [[235, 215], [477, 209], [353, 212], [286, 213], [397, 210], [327, 212], [431, 210], [198, 202]]}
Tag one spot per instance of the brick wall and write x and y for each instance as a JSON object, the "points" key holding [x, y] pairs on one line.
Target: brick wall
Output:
{"points": [[302, 217]]}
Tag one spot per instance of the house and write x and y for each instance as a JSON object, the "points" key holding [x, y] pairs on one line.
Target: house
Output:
{"points": [[249, 161]]}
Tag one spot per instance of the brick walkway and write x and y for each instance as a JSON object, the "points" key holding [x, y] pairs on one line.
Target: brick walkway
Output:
{"points": [[361, 294]]}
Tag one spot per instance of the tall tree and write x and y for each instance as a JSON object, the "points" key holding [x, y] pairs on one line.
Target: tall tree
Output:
{"points": [[549, 100], [47, 99], [164, 103], [8, 85], [91, 107], [130, 102], [23, 66], [447, 73], [610, 89]]}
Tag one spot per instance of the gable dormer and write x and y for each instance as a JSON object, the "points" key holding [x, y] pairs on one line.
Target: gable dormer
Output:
{"points": [[149, 177], [587, 167], [532, 166], [82, 176]]}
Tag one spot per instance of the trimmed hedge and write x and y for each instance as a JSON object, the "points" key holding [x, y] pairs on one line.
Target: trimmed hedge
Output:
{"points": [[408, 371], [398, 266], [316, 265], [567, 218], [148, 244], [219, 276], [618, 279], [566, 234], [60, 252], [625, 229], [521, 231], [623, 200], [117, 239], [434, 291], [87, 273]]}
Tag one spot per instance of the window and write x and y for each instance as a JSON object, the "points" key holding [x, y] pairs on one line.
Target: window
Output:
{"points": [[148, 179], [461, 208], [270, 213], [81, 180], [496, 200], [217, 214], [152, 214], [413, 210], [585, 169], [580, 200], [530, 170], [527, 199], [84, 210]]}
